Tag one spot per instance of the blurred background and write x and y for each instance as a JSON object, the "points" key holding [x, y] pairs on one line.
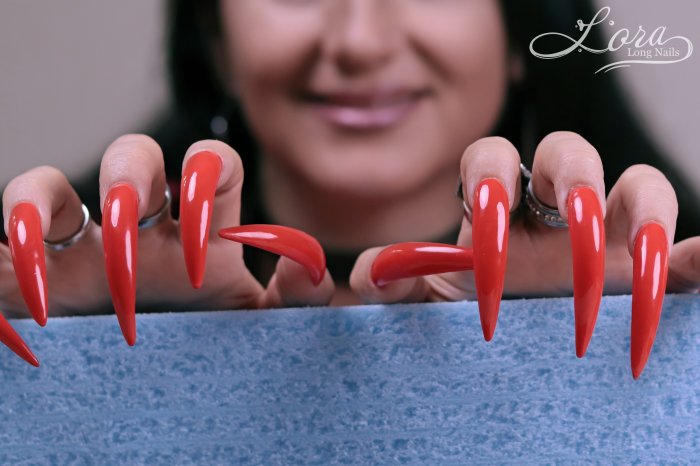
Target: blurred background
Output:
{"points": [[76, 74]]}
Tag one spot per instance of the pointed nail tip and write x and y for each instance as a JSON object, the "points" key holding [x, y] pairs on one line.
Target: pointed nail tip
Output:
{"points": [[582, 343], [637, 369], [195, 273], [317, 276], [29, 357], [129, 333], [581, 350], [379, 282], [488, 324], [637, 372], [228, 234], [488, 332], [196, 282]]}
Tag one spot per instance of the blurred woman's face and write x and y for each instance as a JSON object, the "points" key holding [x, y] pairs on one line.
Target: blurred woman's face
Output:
{"points": [[368, 97]]}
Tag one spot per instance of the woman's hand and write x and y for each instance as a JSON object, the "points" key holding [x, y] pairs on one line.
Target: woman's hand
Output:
{"points": [[77, 282], [540, 261]]}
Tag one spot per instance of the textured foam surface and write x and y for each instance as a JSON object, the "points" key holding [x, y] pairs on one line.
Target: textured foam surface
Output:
{"points": [[409, 384]]}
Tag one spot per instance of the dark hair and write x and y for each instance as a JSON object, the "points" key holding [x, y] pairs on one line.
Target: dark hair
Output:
{"points": [[562, 94]]}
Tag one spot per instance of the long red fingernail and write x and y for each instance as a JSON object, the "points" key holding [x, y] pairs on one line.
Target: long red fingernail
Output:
{"points": [[120, 220], [406, 260], [12, 340], [648, 289], [285, 241], [199, 182], [587, 234], [490, 221], [27, 246]]}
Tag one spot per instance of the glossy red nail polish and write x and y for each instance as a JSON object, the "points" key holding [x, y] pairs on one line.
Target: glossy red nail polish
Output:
{"points": [[406, 260], [648, 290], [199, 180], [490, 221], [120, 220], [27, 246], [285, 241], [587, 233], [12, 340]]}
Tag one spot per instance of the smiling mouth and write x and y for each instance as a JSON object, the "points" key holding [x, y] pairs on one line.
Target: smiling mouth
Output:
{"points": [[367, 110]]}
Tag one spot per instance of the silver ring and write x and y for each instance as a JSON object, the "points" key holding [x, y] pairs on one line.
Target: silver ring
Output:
{"points": [[525, 172], [459, 194], [71, 240], [542, 213], [468, 212], [164, 210]]}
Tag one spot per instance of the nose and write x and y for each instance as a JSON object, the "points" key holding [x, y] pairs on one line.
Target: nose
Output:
{"points": [[361, 35]]}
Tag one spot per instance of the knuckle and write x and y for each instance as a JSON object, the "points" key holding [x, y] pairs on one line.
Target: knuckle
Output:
{"points": [[562, 142], [48, 172], [634, 172], [648, 185], [582, 160], [130, 146], [129, 140], [555, 136], [494, 149], [34, 180], [566, 154], [487, 146], [233, 170]]}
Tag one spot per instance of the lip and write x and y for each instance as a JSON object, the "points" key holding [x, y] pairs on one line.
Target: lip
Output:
{"points": [[365, 110]]}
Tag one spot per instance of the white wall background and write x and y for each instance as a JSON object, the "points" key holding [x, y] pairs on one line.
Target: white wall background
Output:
{"points": [[76, 74], [667, 96]]}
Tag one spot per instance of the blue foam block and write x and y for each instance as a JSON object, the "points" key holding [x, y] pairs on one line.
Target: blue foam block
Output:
{"points": [[405, 384]]}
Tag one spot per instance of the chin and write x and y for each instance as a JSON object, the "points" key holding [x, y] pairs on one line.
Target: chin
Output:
{"points": [[369, 174]]}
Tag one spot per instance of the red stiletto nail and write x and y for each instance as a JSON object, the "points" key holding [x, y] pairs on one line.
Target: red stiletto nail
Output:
{"points": [[587, 234], [289, 242], [27, 246], [406, 260], [490, 219], [199, 182], [12, 340], [648, 289], [120, 238]]}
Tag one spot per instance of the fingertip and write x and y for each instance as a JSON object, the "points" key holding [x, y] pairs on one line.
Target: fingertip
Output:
{"points": [[364, 277], [295, 285], [491, 157], [370, 284], [231, 164], [565, 161], [135, 160], [643, 195], [47, 189]]}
